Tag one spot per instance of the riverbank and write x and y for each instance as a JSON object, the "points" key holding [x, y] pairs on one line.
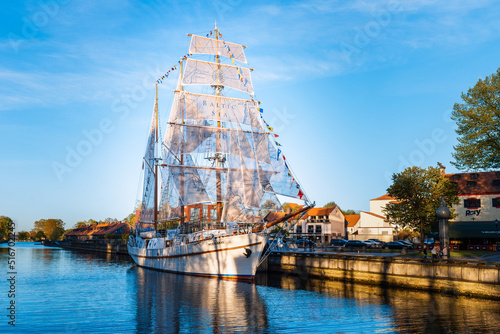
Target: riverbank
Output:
{"points": [[455, 277]]}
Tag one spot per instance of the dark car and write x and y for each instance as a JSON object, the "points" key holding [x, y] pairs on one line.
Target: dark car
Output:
{"points": [[395, 245], [356, 244], [407, 244], [306, 242], [338, 242]]}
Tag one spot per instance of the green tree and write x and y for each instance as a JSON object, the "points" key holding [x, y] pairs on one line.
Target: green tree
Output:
{"points": [[23, 235], [130, 219], [478, 121], [331, 204], [418, 192], [81, 224], [52, 228], [350, 212], [39, 235], [5, 224]]}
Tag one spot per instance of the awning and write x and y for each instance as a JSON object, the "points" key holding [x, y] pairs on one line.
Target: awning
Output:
{"points": [[476, 229]]}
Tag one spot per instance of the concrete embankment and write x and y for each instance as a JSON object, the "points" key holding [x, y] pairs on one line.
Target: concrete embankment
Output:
{"points": [[457, 277], [91, 247]]}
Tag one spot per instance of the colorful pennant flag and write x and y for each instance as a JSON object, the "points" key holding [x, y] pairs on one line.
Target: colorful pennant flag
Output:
{"points": [[277, 144], [300, 194], [269, 128]]}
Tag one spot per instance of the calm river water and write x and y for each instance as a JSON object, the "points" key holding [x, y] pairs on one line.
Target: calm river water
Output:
{"points": [[61, 291]]}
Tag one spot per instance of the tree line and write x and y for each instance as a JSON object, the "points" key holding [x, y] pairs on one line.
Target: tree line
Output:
{"points": [[53, 229]]}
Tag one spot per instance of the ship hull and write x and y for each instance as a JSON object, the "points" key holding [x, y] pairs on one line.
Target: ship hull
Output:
{"points": [[232, 257]]}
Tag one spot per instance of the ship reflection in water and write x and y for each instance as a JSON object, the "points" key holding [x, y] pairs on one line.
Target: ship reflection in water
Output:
{"points": [[179, 303]]}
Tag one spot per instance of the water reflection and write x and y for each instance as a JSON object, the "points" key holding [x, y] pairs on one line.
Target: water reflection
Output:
{"points": [[170, 303], [410, 311], [76, 292]]}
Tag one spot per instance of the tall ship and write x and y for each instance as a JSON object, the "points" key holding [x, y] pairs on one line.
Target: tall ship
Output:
{"points": [[211, 181]]}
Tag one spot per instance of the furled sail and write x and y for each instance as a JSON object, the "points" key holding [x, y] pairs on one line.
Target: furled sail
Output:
{"points": [[205, 45], [199, 72]]}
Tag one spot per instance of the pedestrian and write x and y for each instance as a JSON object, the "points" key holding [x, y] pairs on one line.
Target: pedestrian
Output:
{"points": [[438, 251], [434, 253], [425, 252], [445, 252]]}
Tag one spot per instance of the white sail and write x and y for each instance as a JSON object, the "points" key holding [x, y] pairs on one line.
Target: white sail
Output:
{"points": [[148, 202], [199, 72], [205, 107], [205, 45]]}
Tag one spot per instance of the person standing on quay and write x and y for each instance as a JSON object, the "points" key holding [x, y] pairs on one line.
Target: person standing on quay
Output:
{"points": [[425, 252], [434, 253], [445, 252]]}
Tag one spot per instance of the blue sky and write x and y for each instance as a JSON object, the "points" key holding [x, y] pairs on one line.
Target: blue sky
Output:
{"points": [[357, 90]]}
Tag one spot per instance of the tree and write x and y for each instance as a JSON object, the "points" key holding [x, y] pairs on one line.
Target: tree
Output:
{"points": [[350, 212], [52, 228], [80, 224], [418, 192], [5, 227], [331, 204], [130, 219], [478, 120], [39, 235], [23, 235]]}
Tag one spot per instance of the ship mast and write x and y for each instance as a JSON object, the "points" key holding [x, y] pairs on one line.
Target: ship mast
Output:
{"points": [[181, 185], [218, 157], [155, 161]]}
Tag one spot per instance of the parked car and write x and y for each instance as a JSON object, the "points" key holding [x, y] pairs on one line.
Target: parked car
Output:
{"points": [[378, 240], [306, 242], [338, 242], [407, 243], [356, 244], [373, 243], [394, 245]]}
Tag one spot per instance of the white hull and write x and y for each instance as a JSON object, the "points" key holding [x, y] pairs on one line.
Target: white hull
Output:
{"points": [[226, 257]]}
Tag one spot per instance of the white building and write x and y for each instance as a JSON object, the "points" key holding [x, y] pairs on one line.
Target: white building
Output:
{"points": [[322, 224], [371, 225]]}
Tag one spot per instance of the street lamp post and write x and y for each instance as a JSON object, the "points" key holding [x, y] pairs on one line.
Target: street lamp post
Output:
{"points": [[496, 230], [443, 214]]}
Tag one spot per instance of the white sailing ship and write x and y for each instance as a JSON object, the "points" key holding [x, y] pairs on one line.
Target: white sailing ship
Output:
{"points": [[209, 183]]}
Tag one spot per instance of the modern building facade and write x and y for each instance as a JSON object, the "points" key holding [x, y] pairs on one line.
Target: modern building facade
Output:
{"points": [[476, 226]]}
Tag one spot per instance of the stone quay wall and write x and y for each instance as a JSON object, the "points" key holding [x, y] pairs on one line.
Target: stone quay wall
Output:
{"points": [[120, 248], [456, 277]]}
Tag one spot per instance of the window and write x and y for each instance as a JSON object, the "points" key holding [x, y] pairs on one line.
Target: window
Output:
{"points": [[318, 229], [495, 202], [472, 203], [310, 228], [205, 211], [213, 214], [473, 176], [299, 229], [496, 183], [471, 183]]}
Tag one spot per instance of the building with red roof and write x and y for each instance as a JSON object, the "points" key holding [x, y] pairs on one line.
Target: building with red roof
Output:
{"points": [[322, 224]]}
